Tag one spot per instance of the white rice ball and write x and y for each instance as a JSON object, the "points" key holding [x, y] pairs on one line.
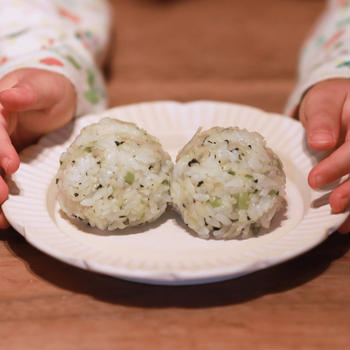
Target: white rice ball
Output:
{"points": [[114, 175], [227, 184]]}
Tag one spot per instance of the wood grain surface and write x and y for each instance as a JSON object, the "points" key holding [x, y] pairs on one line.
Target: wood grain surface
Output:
{"points": [[238, 51]]}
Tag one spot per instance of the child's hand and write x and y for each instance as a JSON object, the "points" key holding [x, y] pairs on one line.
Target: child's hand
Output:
{"points": [[325, 114], [32, 103]]}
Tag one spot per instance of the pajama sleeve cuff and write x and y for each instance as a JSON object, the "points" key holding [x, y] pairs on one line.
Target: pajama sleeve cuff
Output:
{"points": [[325, 72]]}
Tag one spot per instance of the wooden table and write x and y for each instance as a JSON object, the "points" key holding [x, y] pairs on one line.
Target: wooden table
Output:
{"points": [[238, 51]]}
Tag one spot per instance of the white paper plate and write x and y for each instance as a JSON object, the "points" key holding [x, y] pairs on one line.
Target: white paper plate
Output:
{"points": [[165, 252]]}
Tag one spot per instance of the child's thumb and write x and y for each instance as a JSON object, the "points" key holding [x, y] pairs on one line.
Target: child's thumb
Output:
{"points": [[30, 93], [18, 98], [320, 113]]}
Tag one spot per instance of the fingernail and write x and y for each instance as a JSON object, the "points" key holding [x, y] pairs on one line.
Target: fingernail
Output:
{"points": [[321, 137], [317, 181], [343, 202]]}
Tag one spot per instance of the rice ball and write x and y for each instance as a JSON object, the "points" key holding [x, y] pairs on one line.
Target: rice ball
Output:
{"points": [[227, 184], [114, 175]]}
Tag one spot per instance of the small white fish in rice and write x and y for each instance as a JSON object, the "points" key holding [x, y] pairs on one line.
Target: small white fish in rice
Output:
{"points": [[227, 183], [114, 175]]}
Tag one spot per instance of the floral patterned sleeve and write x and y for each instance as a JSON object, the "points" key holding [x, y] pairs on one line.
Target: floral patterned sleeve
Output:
{"points": [[63, 36], [326, 53]]}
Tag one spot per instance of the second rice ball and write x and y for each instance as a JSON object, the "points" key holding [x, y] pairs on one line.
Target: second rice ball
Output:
{"points": [[227, 184]]}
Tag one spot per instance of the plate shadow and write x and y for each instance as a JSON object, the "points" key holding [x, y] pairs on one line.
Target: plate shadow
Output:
{"points": [[276, 279]]}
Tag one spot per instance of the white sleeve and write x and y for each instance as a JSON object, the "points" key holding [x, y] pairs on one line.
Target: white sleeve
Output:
{"points": [[63, 36], [326, 54]]}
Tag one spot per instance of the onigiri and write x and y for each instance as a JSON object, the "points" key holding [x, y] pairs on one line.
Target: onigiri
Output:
{"points": [[227, 183], [114, 175]]}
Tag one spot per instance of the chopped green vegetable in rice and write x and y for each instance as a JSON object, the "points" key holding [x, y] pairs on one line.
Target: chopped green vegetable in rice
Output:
{"points": [[215, 203], [129, 178], [243, 201]]}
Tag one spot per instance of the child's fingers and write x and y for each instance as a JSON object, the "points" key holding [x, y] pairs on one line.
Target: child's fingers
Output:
{"points": [[18, 98], [8, 81], [33, 90], [3, 222], [346, 118], [331, 168], [9, 159], [4, 192], [340, 197], [320, 113], [3, 197]]}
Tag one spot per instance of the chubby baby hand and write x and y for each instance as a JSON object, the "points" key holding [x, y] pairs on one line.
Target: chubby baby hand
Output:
{"points": [[32, 103], [325, 114]]}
